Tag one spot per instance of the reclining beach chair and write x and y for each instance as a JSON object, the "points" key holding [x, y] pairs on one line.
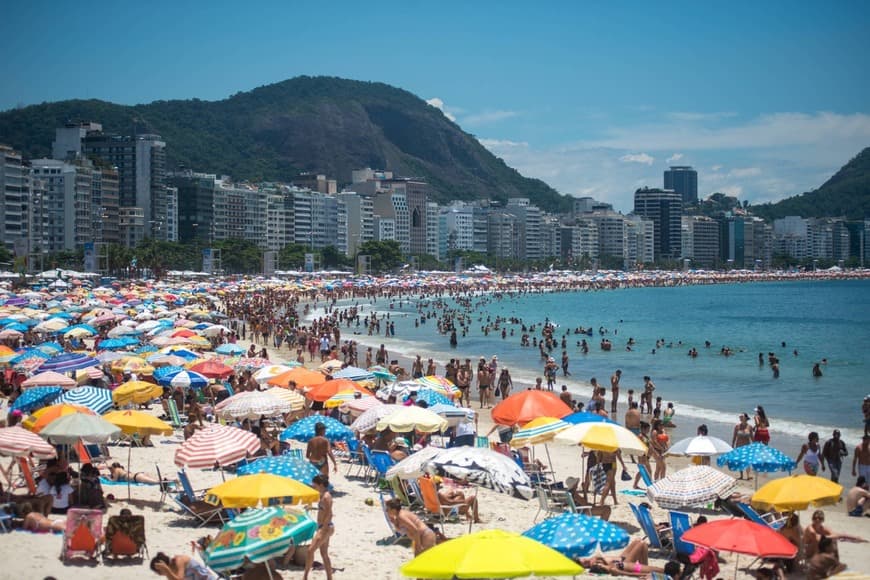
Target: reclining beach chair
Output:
{"points": [[433, 504], [356, 459], [656, 538], [84, 528], [396, 535], [7, 512], [680, 523], [194, 504], [546, 504], [125, 537], [175, 419], [771, 520], [380, 462], [644, 475]]}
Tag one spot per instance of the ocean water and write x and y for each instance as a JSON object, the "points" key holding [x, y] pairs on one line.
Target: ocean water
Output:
{"points": [[829, 320]]}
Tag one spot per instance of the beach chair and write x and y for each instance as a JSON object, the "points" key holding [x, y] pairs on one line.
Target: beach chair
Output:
{"points": [[84, 528], [396, 535], [656, 537], [379, 463], [564, 497], [546, 504], [680, 523], [296, 453], [772, 520], [6, 513], [644, 475], [125, 537], [481, 441], [193, 503], [356, 459], [166, 487], [174, 418], [415, 496], [433, 505], [730, 508]]}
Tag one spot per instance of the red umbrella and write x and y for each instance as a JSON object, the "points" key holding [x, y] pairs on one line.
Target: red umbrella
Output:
{"points": [[326, 390], [212, 369], [742, 537], [522, 407]]}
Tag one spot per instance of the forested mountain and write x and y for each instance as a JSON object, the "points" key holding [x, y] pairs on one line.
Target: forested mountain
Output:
{"points": [[305, 124]]}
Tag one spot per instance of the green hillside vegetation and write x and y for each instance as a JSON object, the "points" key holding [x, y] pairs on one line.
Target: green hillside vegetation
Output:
{"points": [[305, 124], [847, 194]]}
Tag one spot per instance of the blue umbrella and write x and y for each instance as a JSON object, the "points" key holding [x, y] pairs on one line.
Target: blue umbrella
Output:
{"points": [[283, 465], [184, 378], [584, 417], [34, 398], [29, 353], [117, 343], [230, 348], [16, 326], [145, 349], [354, 374], [432, 398], [756, 456], [303, 429], [50, 348], [90, 329], [94, 398], [162, 372], [183, 353], [577, 535], [70, 361]]}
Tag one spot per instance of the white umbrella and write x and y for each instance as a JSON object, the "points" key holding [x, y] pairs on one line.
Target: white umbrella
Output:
{"points": [[412, 418], [266, 373], [694, 486], [414, 465], [71, 429], [368, 420], [484, 467], [252, 405], [701, 445]]}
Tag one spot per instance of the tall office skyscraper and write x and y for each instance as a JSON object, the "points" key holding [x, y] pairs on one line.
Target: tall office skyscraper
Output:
{"points": [[684, 180], [664, 208]]}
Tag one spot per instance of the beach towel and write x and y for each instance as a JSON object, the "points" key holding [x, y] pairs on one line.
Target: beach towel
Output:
{"points": [[636, 492], [107, 481]]}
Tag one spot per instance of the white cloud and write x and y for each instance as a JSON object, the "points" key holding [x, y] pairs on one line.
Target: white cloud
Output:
{"points": [[496, 144], [700, 117], [439, 104], [732, 190], [716, 168], [745, 172], [674, 158], [637, 158], [487, 117]]}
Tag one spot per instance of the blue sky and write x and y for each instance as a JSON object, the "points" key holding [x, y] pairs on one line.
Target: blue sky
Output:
{"points": [[765, 99]]}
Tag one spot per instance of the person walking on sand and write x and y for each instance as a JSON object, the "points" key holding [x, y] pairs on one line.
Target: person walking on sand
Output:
{"points": [[614, 390], [319, 451], [325, 528], [811, 453], [861, 460], [834, 451]]}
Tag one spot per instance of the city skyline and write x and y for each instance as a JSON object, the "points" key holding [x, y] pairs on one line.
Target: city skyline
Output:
{"points": [[764, 102]]}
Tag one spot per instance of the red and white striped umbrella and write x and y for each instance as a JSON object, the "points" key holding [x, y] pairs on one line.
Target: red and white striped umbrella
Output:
{"points": [[216, 444], [17, 441]]}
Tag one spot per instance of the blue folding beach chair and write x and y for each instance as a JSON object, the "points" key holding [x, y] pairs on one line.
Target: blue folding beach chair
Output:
{"points": [[680, 522], [653, 534], [644, 475], [770, 519]]}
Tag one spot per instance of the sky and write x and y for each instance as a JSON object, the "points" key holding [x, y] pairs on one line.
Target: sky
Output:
{"points": [[765, 99]]}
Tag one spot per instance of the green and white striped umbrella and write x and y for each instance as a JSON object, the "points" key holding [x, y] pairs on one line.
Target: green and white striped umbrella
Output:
{"points": [[258, 535]]}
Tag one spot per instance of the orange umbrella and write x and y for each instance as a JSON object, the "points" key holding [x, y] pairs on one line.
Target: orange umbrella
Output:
{"points": [[300, 375], [522, 407], [323, 391], [213, 369], [41, 418], [183, 333]]}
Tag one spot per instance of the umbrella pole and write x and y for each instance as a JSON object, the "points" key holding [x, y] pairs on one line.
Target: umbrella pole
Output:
{"points": [[129, 454]]}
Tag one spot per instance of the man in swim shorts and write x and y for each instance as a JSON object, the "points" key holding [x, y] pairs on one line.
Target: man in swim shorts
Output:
{"points": [[858, 499], [319, 450], [861, 460]]}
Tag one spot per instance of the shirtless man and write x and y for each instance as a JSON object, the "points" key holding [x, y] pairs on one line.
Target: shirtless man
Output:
{"points": [[861, 460], [463, 382], [614, 390], [632, 419], [647, 396], [858, 499], [319, 450]]}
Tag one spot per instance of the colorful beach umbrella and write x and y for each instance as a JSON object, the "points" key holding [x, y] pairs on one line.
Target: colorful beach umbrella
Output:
{"points": [[39, 419], [34, 398], [283, 465], [184, 378], [49, 379], [606, 437], [702, 445], [64, 363], [439, 384], [577, 535], [253, 363], [343, 397], [490, 554], [132, 364], [756, 456], [796, 492], [432, 397], [229, 348], [213, 369], [695, 486], [522, 407], [303, 429], [76, 427], [263, 374], [540, 430], [97, 399], [323, 391], [484, 467], [216, 444], [354, 374], [258, 535], [261, 489], [160, 373], [252, 405], [296, 400], [369, 419], [19, 442], [742, 537]]}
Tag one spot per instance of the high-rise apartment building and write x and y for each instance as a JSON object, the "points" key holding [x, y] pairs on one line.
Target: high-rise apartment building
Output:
{"points": [[503, 234], [528, 224], [638, 241], [700, 241], [66, 219], [664, 208], [14, 198], [684, 180], [359, 218]]}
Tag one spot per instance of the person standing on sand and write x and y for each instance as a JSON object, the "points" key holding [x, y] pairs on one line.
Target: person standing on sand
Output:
{"points": [[811, 453], [505, 383], [861, 460], [646, 398], [463, 383], [484, 380], [834, 451], [325, 528], [614, 390], [762, 425], [319, 451], [742, 436]]}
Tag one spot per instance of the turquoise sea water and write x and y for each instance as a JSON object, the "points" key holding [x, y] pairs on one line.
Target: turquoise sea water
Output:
{"points": [[818, 319]]}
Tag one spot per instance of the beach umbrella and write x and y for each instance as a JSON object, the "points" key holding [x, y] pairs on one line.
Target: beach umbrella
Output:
{"points": [[18, 442], [300, 375], [270, 371], [252, 405], [162, 372], [412, 418], [138, 423], [166, 360], [117, 343], [606, 437], [35, 398], [522, 407], [303, 429], [39, 419], [296, 400], [400, 390], [369, 419], [80, 330], [323, 391], [132, 364], [382, 373], [108, 356], [577, 535], [136, 392], [251, 363], [216, 444], [64, 363], [702, 445], [184, 378], [283, 465], [439, 384], [258, 535], [213, 369], [50, 325], [414, 465], [540, 430], [483, 467], [490, 554], [49, 379], [741, 536], [695, 486], [758, 457], [71, 429], [796, 492], [343, 397], [357, 407], [184, 353], [50, 348], [215, 330], [9, 334], [261, 489], [354, 374], [329, 366], [97, 399], [229, 348], [454, 415], [432, 397], [584, 417]]}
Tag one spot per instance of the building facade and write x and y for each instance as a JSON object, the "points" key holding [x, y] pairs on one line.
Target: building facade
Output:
{"points": [[664, 208], [683, 179]]}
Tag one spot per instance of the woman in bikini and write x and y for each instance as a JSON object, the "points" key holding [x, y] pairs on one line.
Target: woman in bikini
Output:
{"points": [[660, 442], [118, 473], [325, 528], [762, 424], [36, 522], [422, 536], [633, 561], [742, 436]]}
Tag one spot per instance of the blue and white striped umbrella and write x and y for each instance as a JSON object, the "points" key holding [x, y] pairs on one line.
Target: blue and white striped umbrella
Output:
{"points": [[756, 456], [283, 465], [96, 399], [258, 535], [184, 378], [70, 361], [578, 535], [162, 372], [303, 429], [34, 398], [432, 397]]}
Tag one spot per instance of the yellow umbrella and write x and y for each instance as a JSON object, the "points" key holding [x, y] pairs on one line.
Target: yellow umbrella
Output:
{"points": [[296, 400], [796, 492], [340, 398], [261, 488], [137, 422], [606, 437], [46, 415], [136, 392], [540, 430], [132, 364], [413, 418], [490, 554]]}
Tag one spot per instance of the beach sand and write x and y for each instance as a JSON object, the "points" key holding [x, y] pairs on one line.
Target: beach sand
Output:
{"points": [[355, 548]]}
